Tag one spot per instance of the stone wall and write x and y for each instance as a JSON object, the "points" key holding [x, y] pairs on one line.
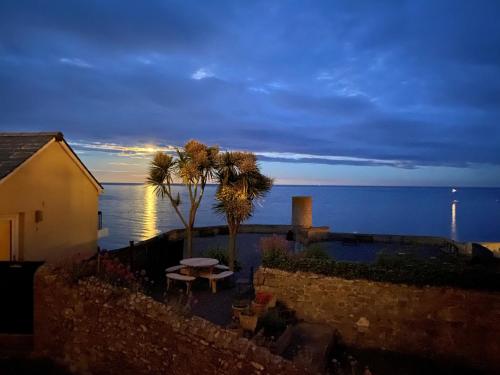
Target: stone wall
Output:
{"points": [[494, 247], [452, 324], [94, 328]]}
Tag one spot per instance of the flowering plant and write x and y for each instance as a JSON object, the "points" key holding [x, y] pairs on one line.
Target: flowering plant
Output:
{"points": [[263, 298], [275, 250], [116, 273]]}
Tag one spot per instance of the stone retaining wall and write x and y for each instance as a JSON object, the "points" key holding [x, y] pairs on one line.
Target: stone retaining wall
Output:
{"points": [[454, 324], [94, 328]]}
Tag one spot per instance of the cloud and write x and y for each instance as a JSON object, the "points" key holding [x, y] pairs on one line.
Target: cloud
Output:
{"points": [[202, 73], [75, 62], [137, 150], [354, 83], [332, 159], [325, 76], [261, 90]]}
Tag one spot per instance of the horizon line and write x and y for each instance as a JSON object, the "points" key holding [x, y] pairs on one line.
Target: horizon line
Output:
{"points": [[333, 185]]}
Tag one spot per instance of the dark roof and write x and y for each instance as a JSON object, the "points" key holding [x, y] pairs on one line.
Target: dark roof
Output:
{"points": [[16, 148]]}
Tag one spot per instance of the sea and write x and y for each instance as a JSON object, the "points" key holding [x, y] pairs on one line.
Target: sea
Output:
{"points": [[134, 212]]}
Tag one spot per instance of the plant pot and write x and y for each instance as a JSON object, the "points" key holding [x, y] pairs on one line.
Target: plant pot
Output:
{"points": [[248, 322], [238, 309], [272, 302], [258, 308]]}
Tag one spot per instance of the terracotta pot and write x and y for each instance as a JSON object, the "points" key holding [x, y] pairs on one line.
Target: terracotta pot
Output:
{"points": [[258, 308], [238, 309], [248, 322], [272, 302]]}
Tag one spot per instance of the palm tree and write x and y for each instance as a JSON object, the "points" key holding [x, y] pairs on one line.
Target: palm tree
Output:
{"points": [[194, 166], [240, 184]]}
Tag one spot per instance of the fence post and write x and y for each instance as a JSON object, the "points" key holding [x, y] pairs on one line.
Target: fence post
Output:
{"points": [[131, 255]]}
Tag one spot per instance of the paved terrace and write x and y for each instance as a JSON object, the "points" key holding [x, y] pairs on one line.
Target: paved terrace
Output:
{"points": [[217, 307]]}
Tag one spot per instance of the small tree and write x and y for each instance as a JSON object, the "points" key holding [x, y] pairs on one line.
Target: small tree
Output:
{"points": [[240, 184], [194, 166]]}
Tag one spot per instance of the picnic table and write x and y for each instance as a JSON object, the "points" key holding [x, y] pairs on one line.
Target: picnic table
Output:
{"points": [[199, 262], [198, 267]]}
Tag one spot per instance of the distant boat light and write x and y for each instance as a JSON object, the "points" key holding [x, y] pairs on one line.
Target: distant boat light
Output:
{"points": [[453, 190]]}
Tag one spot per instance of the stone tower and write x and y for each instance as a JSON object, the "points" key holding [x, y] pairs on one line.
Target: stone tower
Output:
{"points": [[302, 212]]}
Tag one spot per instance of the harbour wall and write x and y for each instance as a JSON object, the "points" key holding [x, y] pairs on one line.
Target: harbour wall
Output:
{"points": [[166, 249]]}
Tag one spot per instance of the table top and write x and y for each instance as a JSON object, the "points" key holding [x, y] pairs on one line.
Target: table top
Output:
{"points": [[199, 262]]}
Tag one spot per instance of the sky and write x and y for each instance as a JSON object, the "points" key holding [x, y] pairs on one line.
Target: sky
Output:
{"points": [[324, 92]]}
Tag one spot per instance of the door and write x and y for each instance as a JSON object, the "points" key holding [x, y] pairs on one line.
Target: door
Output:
{"points": [[16, 297], [5, 240]]}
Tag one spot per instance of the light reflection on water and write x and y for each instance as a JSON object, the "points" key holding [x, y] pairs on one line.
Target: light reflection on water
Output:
{"points": [[150, 217], [133, 212], [454, 220]]}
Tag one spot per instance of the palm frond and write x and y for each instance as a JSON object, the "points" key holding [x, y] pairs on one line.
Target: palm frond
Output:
{"points": [[240, 184]]}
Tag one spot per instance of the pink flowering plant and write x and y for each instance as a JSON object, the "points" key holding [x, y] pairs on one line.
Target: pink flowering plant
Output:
{"points": [[116, 273], [112, 271], [106, 268], [274, 249], [263, 298]]}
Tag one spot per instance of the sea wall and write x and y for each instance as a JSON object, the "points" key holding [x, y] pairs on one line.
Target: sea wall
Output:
{"points": [[94, 328], [448, 323], [494, 247]]}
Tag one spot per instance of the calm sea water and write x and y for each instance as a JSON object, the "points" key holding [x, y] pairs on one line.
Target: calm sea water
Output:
{"points": [[133, 212]]}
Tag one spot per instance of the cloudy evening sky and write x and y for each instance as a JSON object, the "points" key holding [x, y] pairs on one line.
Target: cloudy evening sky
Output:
{"points": [[326, 92]]}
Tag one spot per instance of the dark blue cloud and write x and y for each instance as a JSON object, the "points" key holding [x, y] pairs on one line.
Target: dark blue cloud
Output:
{"points": [[397, 83]]}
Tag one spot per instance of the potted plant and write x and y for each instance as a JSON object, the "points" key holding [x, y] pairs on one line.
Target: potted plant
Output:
{"points": [[272, 302], [248, 320], [260, 303], [239, 305]]}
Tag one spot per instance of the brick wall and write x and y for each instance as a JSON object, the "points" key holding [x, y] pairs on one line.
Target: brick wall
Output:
{"points": [[94, 328], [461, 325]]}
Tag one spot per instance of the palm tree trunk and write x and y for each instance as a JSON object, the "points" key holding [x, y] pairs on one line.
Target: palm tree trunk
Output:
{"points": [[188, 238], [232, 249], [188, 243]]}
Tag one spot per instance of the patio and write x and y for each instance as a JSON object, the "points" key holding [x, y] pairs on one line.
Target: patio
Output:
{"points": [[216, 307]]}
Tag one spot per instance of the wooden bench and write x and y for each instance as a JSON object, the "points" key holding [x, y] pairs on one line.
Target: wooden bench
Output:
{"points": [[175, 268], [176, 276], [221, 267], [213, 278]]}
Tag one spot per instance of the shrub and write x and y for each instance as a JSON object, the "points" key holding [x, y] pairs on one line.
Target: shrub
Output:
{"points": [[222, 256], [274, 249], [112, 271], [449, 270], [274, 243], [77, 268], [273, 323], [315, 251]]}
